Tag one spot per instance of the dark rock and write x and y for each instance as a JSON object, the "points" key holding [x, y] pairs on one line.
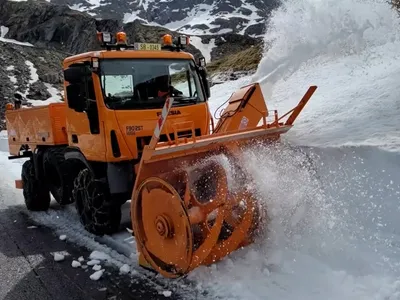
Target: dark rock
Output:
{"points": [[245, 11], [235, 23], [38, 91], [52, 77], [223, 7], [199, 26], [255, 29]]}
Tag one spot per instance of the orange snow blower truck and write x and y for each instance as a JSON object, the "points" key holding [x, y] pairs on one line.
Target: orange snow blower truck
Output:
{"points": [[136, 125]]}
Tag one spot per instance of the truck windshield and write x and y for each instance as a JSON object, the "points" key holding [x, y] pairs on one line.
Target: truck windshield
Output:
{"points": [[143, 83]]}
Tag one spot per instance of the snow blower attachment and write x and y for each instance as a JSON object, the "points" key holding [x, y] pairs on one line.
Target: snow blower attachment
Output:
{"points": [[184, 213], [135, 124]]}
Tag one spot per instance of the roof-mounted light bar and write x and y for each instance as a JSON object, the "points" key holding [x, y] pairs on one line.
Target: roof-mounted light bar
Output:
{"points": [[119, 42]]}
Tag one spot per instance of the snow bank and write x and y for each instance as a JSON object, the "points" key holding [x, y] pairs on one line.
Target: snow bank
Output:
{"points": [[348, 49]]}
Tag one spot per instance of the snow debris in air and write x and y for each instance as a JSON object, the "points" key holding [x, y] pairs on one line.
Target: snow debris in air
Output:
{"points": [[93, 262], [102, 289], [97, 275], [32, 227], [125, 269], [63, 237], [96, 267], [58, 257], [167, 293], [76, 264], [81, 259]]}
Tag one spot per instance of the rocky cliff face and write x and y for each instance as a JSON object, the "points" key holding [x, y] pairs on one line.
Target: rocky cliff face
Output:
{"points": [[190, 16], [57, 27]]}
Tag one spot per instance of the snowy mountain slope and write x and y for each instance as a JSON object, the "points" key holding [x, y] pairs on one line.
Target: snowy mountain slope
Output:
{"points": [[196, 17]]}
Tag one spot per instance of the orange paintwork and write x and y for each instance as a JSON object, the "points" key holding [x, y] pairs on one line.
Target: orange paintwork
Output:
{"points": [[126, 54], [97, 147], [42, 125]]}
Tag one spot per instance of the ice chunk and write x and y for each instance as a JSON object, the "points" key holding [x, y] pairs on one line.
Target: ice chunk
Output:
{"points": [[167, 293], [93, 262], [99, 255], [96, 267], [58, 257], [125, 269], [97, 275], [75, 264]]}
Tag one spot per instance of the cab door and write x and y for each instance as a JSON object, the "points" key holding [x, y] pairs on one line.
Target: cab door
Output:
{"points": [[83, 122]]}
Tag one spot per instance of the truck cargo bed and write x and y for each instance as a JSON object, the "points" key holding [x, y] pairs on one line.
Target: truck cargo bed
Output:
{"points": [[42, 125]]}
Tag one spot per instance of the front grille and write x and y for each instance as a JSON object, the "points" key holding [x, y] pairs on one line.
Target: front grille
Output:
{"points": [[145, 140]]}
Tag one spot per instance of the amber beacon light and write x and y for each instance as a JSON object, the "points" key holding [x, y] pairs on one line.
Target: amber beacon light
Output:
{"points": [[121, 37]]}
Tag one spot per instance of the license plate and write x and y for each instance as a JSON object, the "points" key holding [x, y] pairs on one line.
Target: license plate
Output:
{"points": [[147, 47]]}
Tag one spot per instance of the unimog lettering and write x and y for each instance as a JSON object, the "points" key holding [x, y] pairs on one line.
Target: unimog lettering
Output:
{"points": [[172, 112]]}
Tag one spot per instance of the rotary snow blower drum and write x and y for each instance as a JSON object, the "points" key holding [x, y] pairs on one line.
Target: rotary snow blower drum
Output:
{"points": [[184, 218], [184, 213]]}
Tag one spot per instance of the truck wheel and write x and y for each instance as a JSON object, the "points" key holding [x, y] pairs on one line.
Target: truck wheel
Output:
{"points": [[97, 212], [60, 174], [36, 193]]}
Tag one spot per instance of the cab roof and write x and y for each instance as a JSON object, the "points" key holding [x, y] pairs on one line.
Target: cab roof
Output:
{"points": [[105, 54], [170, 49]]}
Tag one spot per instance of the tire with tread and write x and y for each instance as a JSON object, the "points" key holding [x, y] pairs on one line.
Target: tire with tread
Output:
{"points": [[60, 174], [98, 214], [36, 193]]}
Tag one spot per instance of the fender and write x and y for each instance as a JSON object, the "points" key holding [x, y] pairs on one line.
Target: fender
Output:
{"points": [[75, 153]]}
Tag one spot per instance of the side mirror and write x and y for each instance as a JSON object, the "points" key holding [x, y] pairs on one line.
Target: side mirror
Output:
{"points": [[77, 73], [18, 96], [206, 83], [207, 87], [76, 100], [202, 62]]}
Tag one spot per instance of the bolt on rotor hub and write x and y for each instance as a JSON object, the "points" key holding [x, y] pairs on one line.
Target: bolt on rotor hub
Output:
{"points": [[164, 226]]}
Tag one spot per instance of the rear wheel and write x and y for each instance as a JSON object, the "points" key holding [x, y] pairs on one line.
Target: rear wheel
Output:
{"points": [[93, 202], [36, 193], [60, 174]]}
